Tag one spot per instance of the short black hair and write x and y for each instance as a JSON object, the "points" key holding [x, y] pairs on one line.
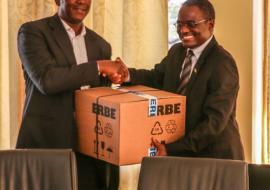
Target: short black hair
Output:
{"points": [[203, 5]]}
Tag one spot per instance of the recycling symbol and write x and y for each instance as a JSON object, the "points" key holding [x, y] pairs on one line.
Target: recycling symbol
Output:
{"points": [[171, 127], [157, 129], [108, 130]]}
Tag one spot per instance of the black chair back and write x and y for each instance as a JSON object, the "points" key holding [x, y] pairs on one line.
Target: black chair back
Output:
{"points": [[259, 177], [38, 170], [178, 173]]}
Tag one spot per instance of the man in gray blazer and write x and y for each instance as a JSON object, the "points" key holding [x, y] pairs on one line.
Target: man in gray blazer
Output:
{"points": [[207, 75], [59, 55]]}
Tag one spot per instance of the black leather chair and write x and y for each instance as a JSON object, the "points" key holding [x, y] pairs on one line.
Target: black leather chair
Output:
{"points": [[179, 173], [34, 169], [259, 176]]}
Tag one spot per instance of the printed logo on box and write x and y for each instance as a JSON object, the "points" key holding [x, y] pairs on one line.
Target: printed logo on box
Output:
{"points": [[152, 107], [104, 110], [152, 151]]}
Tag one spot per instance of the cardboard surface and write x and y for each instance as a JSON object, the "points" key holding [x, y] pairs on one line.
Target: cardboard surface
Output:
{"points": [[125, 127]]}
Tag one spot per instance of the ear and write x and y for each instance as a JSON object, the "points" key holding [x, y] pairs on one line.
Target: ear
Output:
{"points": [[211, 24], [57, 2]]}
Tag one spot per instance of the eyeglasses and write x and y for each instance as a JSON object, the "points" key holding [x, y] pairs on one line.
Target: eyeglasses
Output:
{"points": [[189, 23]]}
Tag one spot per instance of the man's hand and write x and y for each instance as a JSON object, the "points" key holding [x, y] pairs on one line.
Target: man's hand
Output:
{"points": [[123, 72], [108, 67], [116, 70], [111, 69], [161, 149]]}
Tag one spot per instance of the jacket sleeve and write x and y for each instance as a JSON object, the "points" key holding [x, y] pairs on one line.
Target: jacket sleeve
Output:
{"points": [[154, 77], [39, 63], [106, 55]]}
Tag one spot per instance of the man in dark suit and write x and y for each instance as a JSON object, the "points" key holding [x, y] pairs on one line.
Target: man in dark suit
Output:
{"points": [[206, 74], [59, 55]]}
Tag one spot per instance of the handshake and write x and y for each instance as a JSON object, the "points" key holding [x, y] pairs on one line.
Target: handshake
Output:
{"points": [[115, 70]]}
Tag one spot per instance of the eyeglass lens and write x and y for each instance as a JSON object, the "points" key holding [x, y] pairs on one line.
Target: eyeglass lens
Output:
{"points": [[188, 23]]}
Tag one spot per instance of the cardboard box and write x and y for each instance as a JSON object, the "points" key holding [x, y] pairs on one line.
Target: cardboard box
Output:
{"points": [[126, 120]]}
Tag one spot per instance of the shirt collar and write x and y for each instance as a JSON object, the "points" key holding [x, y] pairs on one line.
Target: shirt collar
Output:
{"points": [[198, 50], [70, 31]]}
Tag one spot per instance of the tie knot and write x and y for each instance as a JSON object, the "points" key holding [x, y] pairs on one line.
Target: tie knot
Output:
{"points": [[190, 53]]}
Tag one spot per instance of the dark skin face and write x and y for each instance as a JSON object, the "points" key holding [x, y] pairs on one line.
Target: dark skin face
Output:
{"points": [[73, 12], [193, 37]]}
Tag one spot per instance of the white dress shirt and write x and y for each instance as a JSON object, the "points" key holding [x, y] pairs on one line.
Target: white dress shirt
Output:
{"points": [[78, 43]]}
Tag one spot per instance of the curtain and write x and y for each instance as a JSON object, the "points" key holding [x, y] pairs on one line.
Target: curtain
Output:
{"points": [[13, 14], [266, 87], [137, 31], [4, 74]]}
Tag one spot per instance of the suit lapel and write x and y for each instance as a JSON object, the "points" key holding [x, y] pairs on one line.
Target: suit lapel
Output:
{"points": [[61, 37], [200, 63], [91, 46]]}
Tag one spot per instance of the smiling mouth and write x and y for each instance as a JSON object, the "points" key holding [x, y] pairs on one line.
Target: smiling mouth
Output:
{"points": [[80, 8], [187, 37]]}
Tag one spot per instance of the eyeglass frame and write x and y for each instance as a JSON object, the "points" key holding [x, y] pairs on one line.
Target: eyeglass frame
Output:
{"points": [[189, 23]]}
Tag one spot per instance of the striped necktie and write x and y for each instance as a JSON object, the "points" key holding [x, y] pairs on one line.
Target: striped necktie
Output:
{"points": [[185, 73]]}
